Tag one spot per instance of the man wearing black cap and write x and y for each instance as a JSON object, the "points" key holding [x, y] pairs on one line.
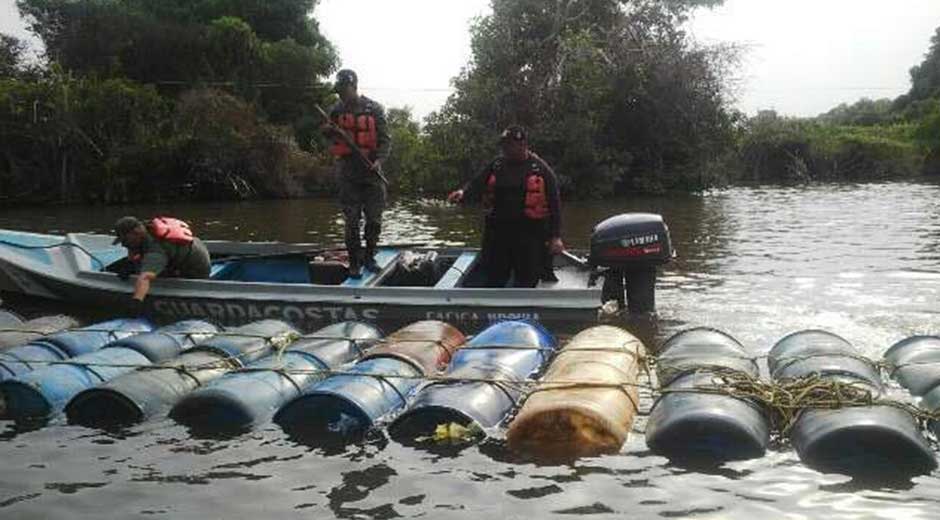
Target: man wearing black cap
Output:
{"points": [[519, 192], [163, 247], [362, 188]]}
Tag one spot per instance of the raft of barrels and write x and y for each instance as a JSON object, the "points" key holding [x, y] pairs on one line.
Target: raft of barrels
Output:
{"points": [[427, 383]]}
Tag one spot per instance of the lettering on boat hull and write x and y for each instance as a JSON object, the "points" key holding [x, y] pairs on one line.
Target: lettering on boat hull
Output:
{"points": [[240, 312], [307, 315]]}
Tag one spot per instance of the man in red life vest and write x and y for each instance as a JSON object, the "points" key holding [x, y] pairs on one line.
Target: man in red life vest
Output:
{"points": [[519, 192], [361, 191], [162, 247]]}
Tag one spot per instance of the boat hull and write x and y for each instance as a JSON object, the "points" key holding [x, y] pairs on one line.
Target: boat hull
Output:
{"points": [[73, 275]]}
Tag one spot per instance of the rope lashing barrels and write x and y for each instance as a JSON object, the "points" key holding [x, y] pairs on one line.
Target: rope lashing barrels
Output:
{"points": [[855, 437], [24, 332], [685, 423], [152, 390], [46, 390], [241, 399], [509, 351], [65, 345], [346, 406]]}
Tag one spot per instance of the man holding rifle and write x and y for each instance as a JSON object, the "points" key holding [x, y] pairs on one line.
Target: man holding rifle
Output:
{"points": [[361, 143]]}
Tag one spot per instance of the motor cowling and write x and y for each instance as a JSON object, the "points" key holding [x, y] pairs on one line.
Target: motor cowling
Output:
{"points": [[626, 250]]}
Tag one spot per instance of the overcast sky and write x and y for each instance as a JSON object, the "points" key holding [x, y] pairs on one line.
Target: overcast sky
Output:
{"points": [[803, 57]]}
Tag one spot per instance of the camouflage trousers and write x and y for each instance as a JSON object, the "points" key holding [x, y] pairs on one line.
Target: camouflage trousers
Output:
{"points": [[362, 198]]}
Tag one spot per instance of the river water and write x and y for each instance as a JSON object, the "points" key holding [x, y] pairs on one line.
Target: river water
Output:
{"points": [[862, 261]]}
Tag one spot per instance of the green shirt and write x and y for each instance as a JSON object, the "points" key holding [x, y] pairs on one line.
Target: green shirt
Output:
{"points": [[169, 259]]}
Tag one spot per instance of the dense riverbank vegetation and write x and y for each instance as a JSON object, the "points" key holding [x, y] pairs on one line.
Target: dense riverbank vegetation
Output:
{"points": [[138, 100]]}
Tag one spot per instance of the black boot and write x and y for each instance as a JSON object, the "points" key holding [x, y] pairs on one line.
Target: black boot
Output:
{"points": [[373, 229], [368, 261], [355, 266]]}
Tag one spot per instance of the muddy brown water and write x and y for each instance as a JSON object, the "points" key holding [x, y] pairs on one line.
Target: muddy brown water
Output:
{"points": [[862, 261]]}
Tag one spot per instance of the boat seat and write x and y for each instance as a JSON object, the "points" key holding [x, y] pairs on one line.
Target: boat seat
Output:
{"points": [[327, 272], [386, 260], [266, 270], [458, 271]]}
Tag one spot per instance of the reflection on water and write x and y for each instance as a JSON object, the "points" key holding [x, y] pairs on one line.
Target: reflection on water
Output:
{"points": [[861, 261]]}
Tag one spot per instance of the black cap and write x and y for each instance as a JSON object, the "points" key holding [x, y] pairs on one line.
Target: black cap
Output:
{"points": [[123, 226], [345, 77], [513, 133]]}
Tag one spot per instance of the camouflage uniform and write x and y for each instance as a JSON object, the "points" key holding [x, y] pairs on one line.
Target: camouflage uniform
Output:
{"points": [[174, 260], [361, 191]]}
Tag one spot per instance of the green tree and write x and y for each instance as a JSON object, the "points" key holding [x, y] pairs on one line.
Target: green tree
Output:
{"points": [[413, 165], [266, 51], [925, 78], [70, 139], [11, 55], [615, 93]]}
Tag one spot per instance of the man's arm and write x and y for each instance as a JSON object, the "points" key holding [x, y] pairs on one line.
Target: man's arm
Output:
{"points": [[151, 265], [474, 188], [142, 287], [554, 198]]}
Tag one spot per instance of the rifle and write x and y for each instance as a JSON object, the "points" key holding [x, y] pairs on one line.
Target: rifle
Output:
{"points": [[351, 144]]}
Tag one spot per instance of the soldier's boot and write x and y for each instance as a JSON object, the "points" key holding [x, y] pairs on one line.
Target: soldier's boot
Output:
{"points": [[372, 239], [353, 246], [368, 261], [355, 266]]}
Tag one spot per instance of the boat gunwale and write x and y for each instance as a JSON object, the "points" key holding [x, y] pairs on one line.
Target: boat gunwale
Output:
{"points": [[108, 283]]}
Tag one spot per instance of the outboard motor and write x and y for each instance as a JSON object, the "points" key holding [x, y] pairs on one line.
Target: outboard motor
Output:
{"points": [[625, 251]]}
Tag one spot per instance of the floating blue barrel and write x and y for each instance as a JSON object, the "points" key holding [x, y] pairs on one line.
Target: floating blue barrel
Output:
{"points": [[10, 319], [24, 332], [875, 439], [346, 406], [148, 391], [45, 391], [685, 424], [239, 400], [509, 351], [63, 345]]}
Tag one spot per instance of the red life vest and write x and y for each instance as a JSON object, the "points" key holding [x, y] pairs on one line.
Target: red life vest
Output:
{"points": [[536, 197], [361, 127], [171, 230]]}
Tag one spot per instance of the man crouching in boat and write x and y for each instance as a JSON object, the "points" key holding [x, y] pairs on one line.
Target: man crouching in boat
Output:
{"points": [[163, 247], [519, 193]]}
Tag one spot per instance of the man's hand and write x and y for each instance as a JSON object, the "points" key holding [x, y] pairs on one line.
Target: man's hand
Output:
{"points": [[455, 197], [556, 246], [136, 308], [377, 165]]}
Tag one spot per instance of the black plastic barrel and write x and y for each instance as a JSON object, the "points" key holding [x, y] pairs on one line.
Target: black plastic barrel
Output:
{"points": [[150, 391], [689, 425], [239, 400], [852, 440], [915, 363], [47, 390]]}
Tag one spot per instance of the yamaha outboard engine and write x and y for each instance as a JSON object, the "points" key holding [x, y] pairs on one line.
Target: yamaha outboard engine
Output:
{"points": [[625, 251]]}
